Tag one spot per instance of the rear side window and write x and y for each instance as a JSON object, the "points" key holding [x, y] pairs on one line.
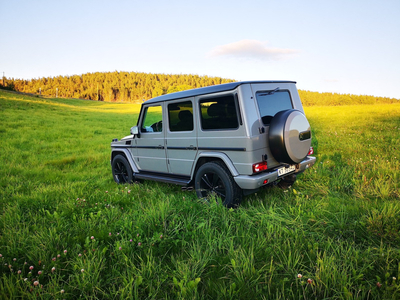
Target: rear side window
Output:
{"points": [[272, 102], [219, 113], [180, 116]]}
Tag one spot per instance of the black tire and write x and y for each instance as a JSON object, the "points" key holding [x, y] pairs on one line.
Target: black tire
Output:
{"points": [[286, 182], [289, 136], [213, 178], [121, 170]]}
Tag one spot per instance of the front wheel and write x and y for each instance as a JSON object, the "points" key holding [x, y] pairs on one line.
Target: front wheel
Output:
{"points": [[213, 178], [121, 170]]}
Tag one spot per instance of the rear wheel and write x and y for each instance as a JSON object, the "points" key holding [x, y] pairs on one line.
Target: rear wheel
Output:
{"points": [[121, 170], [214, 179]]}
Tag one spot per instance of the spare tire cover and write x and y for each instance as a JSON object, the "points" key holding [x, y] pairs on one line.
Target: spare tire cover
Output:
{"points": [[289, 136]]}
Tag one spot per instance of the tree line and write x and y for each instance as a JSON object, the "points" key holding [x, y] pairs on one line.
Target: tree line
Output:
{"points": [[138, 87], [333, 99], [112, 86]]}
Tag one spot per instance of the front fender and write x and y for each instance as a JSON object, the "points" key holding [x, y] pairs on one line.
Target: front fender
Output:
{"points": [[128, 156]]}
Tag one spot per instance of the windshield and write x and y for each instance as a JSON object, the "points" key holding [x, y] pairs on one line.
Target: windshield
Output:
{"points": [[271, 102]]}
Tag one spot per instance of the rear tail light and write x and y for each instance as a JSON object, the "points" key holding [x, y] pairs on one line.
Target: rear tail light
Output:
{"points": [[259, 167], [311, 151]]}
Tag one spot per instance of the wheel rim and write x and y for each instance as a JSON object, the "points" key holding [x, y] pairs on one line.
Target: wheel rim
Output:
{"points": [[120, 172], [211, 183]]}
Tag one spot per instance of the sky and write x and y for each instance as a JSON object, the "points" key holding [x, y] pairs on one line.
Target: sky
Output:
{"points": [[347, 47]]}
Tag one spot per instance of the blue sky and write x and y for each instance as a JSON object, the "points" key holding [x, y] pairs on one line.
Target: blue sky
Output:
{"points": [[326, 46]]}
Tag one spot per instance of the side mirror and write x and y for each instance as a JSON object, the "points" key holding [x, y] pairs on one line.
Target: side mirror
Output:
{"points": [[135, 131]]}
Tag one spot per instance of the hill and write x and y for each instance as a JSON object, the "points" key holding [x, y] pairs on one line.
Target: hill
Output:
{"points": [[138, 87], [113, 86]]}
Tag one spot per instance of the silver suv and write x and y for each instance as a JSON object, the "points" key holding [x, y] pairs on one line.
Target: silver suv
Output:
{"points": [[226, 140]]}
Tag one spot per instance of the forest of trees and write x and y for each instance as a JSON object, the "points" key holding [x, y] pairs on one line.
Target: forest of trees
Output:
{"points": [[136, 87], [333, 99], [113, 86]]}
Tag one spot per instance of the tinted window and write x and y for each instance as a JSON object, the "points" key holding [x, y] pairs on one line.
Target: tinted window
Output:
{"points": [[219, 113], [180, 116], [152, 121], [271, 102]]}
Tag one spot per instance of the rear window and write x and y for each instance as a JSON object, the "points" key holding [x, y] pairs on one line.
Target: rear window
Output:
{"points": [[272, 102], [219, 113]]}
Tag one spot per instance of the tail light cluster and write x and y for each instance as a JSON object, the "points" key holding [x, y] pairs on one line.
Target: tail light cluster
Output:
{"points": [[259, 167], [311, 151]]}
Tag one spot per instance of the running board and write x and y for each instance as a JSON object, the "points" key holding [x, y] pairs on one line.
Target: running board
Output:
{"points": [[174, 179]]}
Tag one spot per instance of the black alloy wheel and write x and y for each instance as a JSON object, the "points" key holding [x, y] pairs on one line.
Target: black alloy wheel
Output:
{"points": [[121, 170], [214, 179]]}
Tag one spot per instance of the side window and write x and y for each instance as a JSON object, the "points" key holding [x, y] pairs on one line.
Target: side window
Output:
{"points": [[272, 102], [152, 121], [180, 116], [219, 113]]}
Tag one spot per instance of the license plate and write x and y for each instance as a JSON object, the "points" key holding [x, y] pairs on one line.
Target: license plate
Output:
{"points": [[283, 171]]}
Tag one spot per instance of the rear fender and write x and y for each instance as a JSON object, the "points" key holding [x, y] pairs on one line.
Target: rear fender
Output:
{"points": [[210, 156]]}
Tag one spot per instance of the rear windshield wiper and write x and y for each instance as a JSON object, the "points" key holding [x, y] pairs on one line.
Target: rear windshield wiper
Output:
{"points": [[269, 92]]}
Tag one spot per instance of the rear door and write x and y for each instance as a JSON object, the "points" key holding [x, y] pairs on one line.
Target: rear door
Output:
{"points": [[181, 139]]}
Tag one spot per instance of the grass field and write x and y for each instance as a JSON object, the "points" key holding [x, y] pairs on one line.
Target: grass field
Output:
{"points": [[67, 231]]}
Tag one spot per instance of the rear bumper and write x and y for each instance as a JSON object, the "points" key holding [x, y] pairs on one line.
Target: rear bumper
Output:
{"points": [[250, 182]]}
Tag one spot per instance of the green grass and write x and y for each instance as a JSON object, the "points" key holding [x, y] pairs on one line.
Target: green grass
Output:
{"points": [[338, 226]]}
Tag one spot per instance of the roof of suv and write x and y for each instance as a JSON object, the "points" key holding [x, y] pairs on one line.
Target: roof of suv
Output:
{"points": [[208, 90]]}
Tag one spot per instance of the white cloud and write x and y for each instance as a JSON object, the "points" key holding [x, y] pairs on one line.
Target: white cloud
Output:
{"points": [[251, 49]]}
